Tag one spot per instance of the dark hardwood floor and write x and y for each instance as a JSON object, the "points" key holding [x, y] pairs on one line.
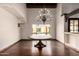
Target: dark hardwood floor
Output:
{"points": [[26, 48]]}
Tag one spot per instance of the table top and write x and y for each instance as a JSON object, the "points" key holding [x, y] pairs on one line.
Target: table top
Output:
{"points": [[39, 37]]}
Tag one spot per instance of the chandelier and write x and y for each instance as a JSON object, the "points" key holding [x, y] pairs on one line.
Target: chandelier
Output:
{"points": [[44, 15]]}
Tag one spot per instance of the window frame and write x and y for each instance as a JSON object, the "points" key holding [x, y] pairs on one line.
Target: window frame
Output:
{"points": [[73, 22]]}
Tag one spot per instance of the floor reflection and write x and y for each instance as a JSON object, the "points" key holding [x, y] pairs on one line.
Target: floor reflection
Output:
{"points": [[26, 48]]}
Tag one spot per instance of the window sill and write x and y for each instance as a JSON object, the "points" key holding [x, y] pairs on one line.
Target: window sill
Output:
{"points": [[71, 32]]}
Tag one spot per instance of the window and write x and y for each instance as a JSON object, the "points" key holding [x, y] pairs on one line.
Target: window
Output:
{"points": [[73, 25], [40, 29]]}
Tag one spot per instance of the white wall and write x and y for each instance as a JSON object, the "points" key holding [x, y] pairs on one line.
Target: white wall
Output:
{"points": [[32, 13], [10, 16], [17, 9], [72, 38], [9, 31], [74, 41], [59, 24]]}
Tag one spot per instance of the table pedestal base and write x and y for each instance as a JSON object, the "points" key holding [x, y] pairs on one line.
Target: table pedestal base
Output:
{"points": [[40, 44]]}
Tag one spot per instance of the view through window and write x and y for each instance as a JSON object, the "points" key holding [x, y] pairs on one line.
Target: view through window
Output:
{"points": [[73, 25], [40, 29]]}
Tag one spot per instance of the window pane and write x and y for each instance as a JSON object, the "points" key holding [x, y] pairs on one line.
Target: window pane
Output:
{"points": [[75, 25], [40, 29], [75, 22], [33, 28], [47, 29], [71, 27], [43, 29], [71, 31], [76, 28], [75, 31], [71, 22]]}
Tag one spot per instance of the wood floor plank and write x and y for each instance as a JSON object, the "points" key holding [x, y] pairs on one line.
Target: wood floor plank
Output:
{"points": [[26, 48]]}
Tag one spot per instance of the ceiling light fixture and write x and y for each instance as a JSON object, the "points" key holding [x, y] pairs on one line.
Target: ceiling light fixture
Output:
{"points": [[44, 15]]}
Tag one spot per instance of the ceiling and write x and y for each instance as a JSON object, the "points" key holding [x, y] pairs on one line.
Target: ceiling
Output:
{"points": [[41, 5]]}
